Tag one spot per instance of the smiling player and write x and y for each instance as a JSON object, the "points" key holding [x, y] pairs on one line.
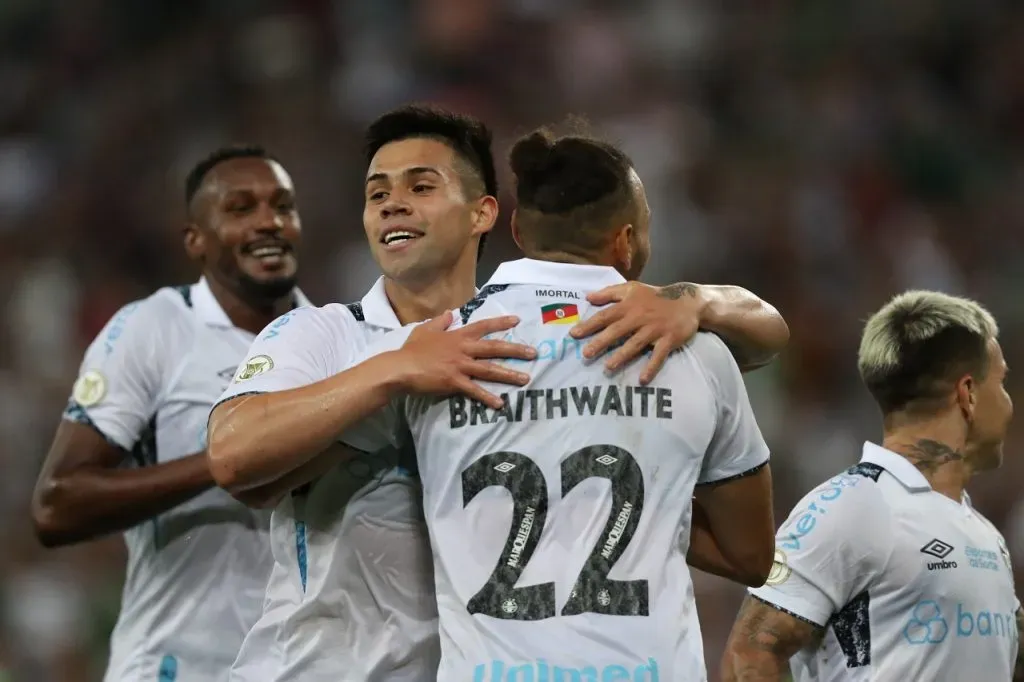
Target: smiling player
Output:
{"points": [[274, 431], [129, 453]]}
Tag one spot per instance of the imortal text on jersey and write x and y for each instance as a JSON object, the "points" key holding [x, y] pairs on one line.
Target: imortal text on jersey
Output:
{"points": [[560, 403]]}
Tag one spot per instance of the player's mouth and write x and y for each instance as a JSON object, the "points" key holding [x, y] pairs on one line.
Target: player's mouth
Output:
{"points": [[269, 254], [397, 238]]}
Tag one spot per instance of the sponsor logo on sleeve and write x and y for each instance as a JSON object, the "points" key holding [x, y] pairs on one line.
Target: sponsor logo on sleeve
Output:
{"points": [[780, 569], [89, 389], [254, 366]]}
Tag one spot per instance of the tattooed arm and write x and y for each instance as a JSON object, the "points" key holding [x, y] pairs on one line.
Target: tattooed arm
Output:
{"points": [[763, 640], [1018, 666], [823, 560], [753, 329], [666, 318]]}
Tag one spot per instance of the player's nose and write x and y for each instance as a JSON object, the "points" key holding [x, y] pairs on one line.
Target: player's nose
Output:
{"points": [[268, 219], [393, 207]]}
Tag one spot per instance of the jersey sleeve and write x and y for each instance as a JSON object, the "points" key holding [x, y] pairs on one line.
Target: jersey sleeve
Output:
{"points": [[386, 426], [303, 347], [121, 376], [831, 548], [737, 447], [299, 348]]}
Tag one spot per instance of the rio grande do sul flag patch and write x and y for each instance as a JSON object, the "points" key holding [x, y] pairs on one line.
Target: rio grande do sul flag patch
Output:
{"points": [[560, 313]]}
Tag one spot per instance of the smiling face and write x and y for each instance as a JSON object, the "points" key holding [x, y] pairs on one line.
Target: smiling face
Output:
{"points": [[416, 214], [245, 228]]}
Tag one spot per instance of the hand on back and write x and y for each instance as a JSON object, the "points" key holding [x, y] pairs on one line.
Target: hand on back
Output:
{"points": [[440, 362]]}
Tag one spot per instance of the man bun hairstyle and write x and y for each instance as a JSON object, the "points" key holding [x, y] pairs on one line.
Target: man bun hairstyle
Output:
{"points": [[570, 191]]}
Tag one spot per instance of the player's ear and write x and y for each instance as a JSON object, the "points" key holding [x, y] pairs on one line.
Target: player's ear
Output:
{"points": [[966, 396], [622, 249], [194, 240], [485, 215]]}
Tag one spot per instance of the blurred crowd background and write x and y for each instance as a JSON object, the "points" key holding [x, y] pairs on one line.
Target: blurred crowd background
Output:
{"points": [[823, 154]]}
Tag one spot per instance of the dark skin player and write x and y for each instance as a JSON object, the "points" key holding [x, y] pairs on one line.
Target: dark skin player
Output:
{"points": [[243, 230]]}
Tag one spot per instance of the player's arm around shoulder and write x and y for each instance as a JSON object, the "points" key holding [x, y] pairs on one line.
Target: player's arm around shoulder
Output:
{"points": [[274, 417], [282, 412], [83, 490], [833, 545], [754, 330], [665, 319]]}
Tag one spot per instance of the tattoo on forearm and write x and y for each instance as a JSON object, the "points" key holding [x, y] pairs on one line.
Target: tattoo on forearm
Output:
{"points": [[1018, 666], [929, 455], [677, 291], [764, 638]]}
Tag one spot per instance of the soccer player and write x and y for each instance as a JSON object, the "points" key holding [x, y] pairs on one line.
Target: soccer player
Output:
{"points": [[654, 625], [352, 590], [886, 572], [129, 456]]}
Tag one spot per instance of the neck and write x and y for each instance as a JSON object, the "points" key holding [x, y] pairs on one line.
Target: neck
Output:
{"points": [[250, 315], [418, 301], [567, 257], [938, 453]]}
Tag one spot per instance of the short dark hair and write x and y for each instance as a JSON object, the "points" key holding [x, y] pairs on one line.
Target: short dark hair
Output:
{"points": [[195, 177], [570, 190], [919, 345], [468, 137]]}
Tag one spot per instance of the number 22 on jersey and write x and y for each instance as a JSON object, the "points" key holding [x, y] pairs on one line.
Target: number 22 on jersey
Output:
{"points": [[594, 591]]}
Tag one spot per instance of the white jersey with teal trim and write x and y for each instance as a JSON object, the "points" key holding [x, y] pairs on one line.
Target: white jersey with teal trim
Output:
{"points": [[351, 595], [909, 584], [560, 523], [197, 573]]}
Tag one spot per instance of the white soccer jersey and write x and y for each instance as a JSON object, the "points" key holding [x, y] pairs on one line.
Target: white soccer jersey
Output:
{"points": [[910, 584], [560, 523], [196, 574], [351, 595]]}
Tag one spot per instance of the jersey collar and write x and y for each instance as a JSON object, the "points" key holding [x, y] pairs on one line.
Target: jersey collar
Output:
{"points": [[530, 271], [377, 308], [209, 311], [897, 465]]}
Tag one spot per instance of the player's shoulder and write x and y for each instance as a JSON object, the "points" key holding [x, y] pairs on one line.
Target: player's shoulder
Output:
{"points": [[333, 320], [853, 487], [170, 303], [163, 315], [710, 351], [488, 302], [842, 508], [707, 355]]}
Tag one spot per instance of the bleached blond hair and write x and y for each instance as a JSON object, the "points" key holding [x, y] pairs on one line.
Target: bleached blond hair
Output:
{"points": [[919, 343]]}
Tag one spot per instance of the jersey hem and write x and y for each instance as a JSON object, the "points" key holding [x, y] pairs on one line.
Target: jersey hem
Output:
{"points": [[736, 477], [76, 414], [232, 397], [788, 611]]}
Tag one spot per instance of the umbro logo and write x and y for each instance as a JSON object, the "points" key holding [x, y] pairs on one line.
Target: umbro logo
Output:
{"points": [[940, 550], [937, 549]]}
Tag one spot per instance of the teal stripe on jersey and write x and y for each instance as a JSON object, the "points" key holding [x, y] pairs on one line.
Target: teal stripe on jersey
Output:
{"points": [[300, 551], [168, 669]]}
